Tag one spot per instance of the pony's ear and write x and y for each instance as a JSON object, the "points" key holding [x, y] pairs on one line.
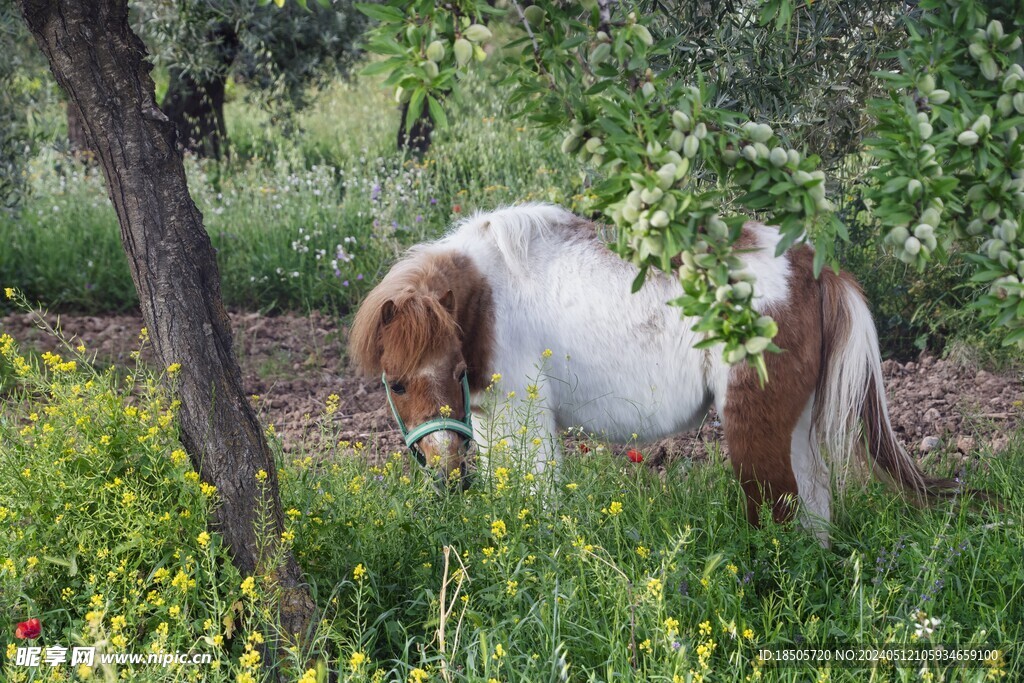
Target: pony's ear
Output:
{"points": [[387, 312], [448, 301]]}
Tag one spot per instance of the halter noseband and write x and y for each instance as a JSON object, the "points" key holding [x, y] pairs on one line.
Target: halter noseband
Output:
{"points": [[437, 424]]}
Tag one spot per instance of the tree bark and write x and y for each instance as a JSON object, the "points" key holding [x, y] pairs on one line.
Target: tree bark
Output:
{"points": [[99, 62], [76, 131]]}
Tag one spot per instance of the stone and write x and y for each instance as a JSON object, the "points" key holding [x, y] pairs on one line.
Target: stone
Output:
{"points": [[928, 444]]}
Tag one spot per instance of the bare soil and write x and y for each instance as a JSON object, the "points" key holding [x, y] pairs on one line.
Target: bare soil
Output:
{"points": [[293, 363]]}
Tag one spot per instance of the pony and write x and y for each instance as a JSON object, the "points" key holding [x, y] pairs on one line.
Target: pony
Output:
{"points": [[502, 288]]}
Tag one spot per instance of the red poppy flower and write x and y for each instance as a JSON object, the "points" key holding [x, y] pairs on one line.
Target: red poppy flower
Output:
{"points": [[456, 208], [584, 448], [28, 629], [634, 455]]}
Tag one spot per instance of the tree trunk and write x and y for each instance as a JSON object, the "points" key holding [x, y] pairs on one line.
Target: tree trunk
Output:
{"points": [[417, 140], [196, 107], [99, 62]]}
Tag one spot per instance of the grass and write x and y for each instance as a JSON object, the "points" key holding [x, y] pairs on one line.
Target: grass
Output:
{"points": [[601, 570]]}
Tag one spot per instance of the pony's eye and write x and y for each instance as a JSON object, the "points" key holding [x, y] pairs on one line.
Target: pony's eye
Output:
{"points": [[397, 388]]}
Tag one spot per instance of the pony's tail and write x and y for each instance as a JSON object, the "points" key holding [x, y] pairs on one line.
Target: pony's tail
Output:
{"points": [[850, 410]]}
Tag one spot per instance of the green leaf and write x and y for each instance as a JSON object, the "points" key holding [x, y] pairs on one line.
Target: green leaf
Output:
{"points": [[1014, 337], [437, 112], [379, 12], [638, 281], [385, 66], [415, 108]]}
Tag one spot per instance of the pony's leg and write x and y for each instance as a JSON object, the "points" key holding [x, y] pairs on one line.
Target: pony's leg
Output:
{"points": [[812, 476], [759, 423]]}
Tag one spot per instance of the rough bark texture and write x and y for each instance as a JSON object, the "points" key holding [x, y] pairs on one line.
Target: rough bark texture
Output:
{"points": [[99, 62], [76, 131]]}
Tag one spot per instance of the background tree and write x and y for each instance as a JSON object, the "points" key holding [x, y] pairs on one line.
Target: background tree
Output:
{"points": [[99, 61], [807, 69], [278, 52], [24, 91]]}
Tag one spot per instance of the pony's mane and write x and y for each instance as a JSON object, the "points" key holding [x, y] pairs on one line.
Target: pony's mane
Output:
{"points": [[420, 326]]}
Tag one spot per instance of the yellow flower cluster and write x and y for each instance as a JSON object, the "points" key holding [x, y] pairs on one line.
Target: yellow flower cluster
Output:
{"points": [[614, 509], [357, 660]]}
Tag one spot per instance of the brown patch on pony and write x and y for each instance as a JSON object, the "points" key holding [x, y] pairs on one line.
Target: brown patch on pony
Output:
{"points": [[759, 420], [429, 304]]}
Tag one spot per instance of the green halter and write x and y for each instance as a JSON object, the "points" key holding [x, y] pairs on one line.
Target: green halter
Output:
{"points": [[437, 424]]}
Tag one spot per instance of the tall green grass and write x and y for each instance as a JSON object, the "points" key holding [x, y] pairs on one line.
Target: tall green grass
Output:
{"points": [[601, 570], [305, 214]]}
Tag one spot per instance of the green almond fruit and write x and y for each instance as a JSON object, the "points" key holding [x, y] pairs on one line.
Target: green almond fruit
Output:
{"points": [[968, 138], [644, 34], [898, 235], [535, 15], [477, 33], [757, 345], [463, 51], [690, 146], [926, 85], [436, 51]]}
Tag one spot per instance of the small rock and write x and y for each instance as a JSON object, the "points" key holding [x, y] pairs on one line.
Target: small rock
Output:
{"points": [[928, 444], [965, 444], [932, 415]]}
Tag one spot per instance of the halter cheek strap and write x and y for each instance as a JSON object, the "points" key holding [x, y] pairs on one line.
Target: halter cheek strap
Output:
{"points": [[437, 424]]}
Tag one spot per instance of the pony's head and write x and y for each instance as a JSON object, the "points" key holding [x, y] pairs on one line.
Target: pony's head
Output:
{"points": [[407, 334]]}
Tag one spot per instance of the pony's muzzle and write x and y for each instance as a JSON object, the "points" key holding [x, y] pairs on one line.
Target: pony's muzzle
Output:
{"points": [[449, 454]]}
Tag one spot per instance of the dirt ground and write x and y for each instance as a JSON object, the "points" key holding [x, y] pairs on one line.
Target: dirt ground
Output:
{"points": [[293, 363]]}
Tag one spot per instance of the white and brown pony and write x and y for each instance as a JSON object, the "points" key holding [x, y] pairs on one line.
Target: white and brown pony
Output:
{"points": [[502, 287]]}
